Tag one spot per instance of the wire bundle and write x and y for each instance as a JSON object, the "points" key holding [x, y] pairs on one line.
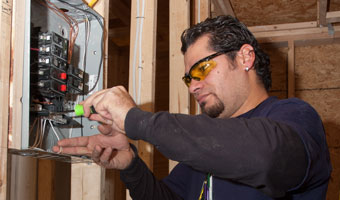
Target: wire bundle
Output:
{"points": [[88, 35], [74, 29], [40, 127]]}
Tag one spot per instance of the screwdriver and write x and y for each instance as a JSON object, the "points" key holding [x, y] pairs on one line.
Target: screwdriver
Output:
{"points": [[79, 110]]}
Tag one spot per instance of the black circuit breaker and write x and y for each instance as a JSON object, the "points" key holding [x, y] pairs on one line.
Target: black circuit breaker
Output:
{"points": [[52, 78]]}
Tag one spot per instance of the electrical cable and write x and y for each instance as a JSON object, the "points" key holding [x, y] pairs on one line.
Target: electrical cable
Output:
{"points": [[135, 55], [101, 49], [140, 68], [71, 22], [138, 43], [55, 133], [102, 37]]}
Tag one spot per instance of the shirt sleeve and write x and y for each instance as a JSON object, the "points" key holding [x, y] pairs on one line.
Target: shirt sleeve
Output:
{"points": [[142, 184], [258, 152]]}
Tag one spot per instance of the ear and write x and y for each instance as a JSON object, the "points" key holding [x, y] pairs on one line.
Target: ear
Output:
{"points": [[247, 56]]}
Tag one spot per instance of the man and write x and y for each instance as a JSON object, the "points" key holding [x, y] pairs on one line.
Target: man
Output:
{"points": [[245, 145]]}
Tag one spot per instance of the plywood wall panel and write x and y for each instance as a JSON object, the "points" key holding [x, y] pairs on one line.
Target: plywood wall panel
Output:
{"points": [[327, 104], [317, 67], [265, 12], [334, 5]]}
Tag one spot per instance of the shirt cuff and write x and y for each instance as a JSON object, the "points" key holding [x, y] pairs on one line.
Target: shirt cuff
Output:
{"points": [[136, 123]]}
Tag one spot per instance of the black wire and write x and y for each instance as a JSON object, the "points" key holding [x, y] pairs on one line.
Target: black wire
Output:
{"points": [[102, 38]]}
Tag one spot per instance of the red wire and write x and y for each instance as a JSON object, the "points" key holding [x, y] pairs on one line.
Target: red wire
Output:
{"points": [[34, 49]]}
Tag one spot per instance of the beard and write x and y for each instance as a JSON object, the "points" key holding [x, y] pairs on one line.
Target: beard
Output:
{"points": [[214, 110]]}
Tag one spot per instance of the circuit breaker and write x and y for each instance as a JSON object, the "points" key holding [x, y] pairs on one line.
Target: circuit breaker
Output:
{"points": [[64, 41]]}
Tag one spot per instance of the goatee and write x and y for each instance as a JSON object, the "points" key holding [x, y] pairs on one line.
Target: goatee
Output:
{"points": [[214, 110]]}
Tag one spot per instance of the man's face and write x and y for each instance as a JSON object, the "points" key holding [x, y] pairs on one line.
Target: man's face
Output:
{"points": [[225, 89]]}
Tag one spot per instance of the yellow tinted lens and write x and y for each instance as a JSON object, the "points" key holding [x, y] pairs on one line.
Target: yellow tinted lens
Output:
{"points": [[200, 71], [186, 80]]}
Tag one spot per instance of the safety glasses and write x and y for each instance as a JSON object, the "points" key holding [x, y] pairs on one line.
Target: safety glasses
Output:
{"points": [[200, 70]]}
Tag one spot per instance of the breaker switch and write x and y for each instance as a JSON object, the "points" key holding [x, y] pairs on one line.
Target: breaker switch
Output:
{"points": [[63, 88], [63, 76]]}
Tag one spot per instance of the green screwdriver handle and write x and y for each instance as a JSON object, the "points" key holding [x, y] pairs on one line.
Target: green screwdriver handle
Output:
{"points": [[79, 110]]}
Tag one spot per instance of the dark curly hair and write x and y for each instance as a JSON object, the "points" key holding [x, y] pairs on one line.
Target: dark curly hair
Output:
{"points": [[227, 33]]}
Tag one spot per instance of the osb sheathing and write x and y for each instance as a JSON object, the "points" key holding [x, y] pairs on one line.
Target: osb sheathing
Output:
{"points": [[318, 63], [266, 12], [318, 82]]}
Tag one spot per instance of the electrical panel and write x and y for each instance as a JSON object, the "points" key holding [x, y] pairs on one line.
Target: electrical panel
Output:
{"points": [[64, 45]]}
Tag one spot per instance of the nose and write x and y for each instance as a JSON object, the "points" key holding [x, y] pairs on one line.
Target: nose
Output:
{"points": [[195, 86]]}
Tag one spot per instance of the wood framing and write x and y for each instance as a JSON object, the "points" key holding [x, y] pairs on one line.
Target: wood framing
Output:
{"points": [[333, 17], [142, 64], [291, 69], [5, 53], [87, 181], [297, 34], [46, 178], [321, 12], [279, 27], [17, 61], [179, 95], [224, 6], [23, 178], [202, 10]]}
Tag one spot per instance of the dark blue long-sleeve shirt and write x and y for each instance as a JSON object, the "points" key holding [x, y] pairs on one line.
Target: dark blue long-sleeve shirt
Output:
{"points": [[276, 150]]}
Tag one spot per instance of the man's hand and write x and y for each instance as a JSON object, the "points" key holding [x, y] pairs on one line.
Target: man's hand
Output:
{"points": [[111, 151], [111, 105]]}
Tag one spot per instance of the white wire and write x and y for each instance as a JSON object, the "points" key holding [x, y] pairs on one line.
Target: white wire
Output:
{"points": [[138, 44], [44, 127], [198, 11], [140, 68], [41, 125], [135, 55], [55, 133]]}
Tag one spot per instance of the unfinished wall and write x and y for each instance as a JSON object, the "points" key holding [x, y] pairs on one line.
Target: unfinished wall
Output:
{"points": [[266, 12], [318, 82]]}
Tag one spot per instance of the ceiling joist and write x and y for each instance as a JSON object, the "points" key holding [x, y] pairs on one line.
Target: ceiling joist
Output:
{"points": [[224, 7], [278, 27], [317, 33], [322, 11], [333, 17]]}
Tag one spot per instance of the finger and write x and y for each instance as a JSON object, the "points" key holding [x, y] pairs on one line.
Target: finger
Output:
{"points": [[105, 129], [99, 118], [56, 149], [73, 150], [74, 142], [89, 102], [97, 151], [105, 157]]}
